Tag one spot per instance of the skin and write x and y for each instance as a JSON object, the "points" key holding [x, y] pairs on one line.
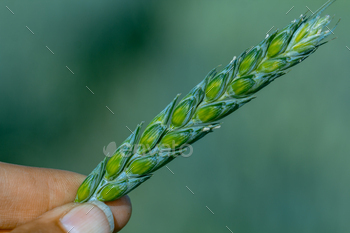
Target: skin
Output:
{"points": [[34, 199]]}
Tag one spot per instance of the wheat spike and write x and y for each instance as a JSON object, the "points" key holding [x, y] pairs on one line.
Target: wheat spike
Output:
{"points": [[197, 114]]}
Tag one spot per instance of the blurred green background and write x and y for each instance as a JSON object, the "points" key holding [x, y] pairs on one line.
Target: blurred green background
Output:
{"points": [[279, 164]]}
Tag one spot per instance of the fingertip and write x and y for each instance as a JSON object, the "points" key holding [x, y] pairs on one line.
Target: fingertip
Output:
{"points": [[121, 209]]}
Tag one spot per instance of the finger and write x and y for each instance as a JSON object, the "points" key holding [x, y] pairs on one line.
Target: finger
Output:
{"points": [[95, 217], [27, 193], [121, 210]]}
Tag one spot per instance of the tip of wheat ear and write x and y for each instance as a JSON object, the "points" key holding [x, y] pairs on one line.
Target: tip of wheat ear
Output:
{"points": [[197, 113]]}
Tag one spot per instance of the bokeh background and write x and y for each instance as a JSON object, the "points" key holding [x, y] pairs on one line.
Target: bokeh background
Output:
{"points": [[279, 164]]}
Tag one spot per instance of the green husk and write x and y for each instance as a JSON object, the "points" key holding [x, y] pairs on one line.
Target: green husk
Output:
{"points": [[196, 115]]}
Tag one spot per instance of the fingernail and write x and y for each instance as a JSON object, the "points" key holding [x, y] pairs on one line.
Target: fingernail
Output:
{"points": [[89, 218]]}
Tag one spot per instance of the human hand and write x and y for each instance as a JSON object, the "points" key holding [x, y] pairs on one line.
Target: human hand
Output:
{"points": [[40, 200]]}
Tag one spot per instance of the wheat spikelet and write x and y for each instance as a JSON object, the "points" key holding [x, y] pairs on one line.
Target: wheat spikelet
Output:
{"points": [[196, 115]]}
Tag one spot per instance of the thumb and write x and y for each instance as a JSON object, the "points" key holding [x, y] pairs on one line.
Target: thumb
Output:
{"points": [[94, 217]]}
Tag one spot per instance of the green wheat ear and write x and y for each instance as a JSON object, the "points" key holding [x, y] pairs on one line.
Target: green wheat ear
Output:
{"points": [[196, 115]]}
